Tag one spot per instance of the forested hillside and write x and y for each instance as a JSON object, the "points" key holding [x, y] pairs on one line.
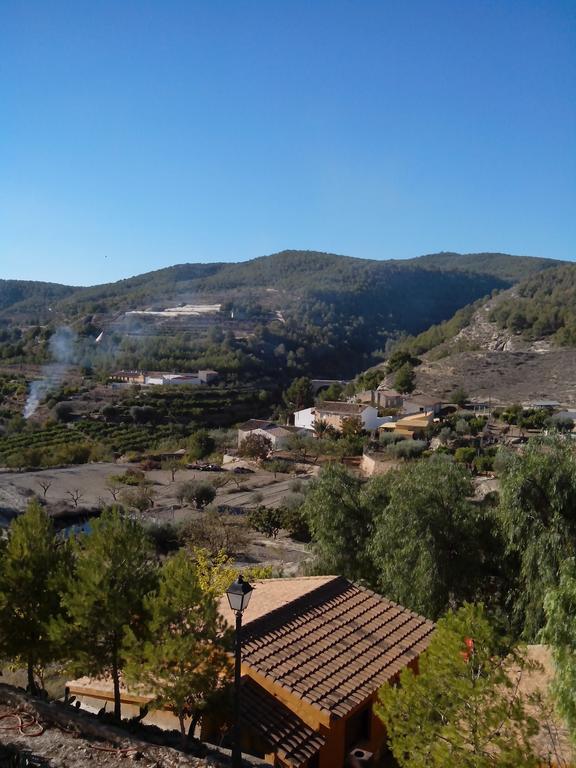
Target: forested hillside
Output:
{"points": [[515, 346], [291, 313], [309, 273], [22, 297], [542, 307], [497, 264]]}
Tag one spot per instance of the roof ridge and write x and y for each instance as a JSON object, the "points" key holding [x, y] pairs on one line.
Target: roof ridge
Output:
{"points": [[251, 626]]}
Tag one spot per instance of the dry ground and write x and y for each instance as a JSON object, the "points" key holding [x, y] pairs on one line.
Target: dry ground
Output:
{"points": [[16, 488]]}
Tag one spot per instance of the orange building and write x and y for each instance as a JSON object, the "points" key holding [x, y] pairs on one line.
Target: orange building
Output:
{"points": [[314, 653]]}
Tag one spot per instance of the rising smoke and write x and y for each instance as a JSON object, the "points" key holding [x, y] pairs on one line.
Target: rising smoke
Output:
{"points": [[61, 346]]}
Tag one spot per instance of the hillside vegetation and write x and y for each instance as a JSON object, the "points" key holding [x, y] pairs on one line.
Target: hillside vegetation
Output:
{"points": [[305, 272], [542, 307], [291, 313], [500, 265], [22, 297]]}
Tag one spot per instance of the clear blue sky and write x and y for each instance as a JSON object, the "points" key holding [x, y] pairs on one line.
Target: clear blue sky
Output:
{"points": [[136, 134]]}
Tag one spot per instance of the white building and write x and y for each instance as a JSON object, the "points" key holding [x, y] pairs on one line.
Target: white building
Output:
{"points": [[336, 413], [278, 434]]}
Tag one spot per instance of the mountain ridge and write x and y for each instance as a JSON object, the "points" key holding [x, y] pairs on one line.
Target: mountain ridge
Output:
{"points": [[288, 314], [285, 268]]}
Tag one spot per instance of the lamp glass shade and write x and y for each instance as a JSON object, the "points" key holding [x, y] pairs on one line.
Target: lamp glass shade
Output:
{"points": [[239, 594]]}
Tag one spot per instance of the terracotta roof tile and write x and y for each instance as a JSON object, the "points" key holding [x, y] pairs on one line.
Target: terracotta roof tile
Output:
{"points": [[294, 741], [335, 645]]}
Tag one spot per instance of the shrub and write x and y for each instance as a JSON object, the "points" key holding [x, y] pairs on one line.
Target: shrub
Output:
{"points": [[63, 412], [390, 438], [197, 492], [255, 446], [483, 463], [278, 466], [408, 449], [132, 477], [266, 520], [295, 521], [166, 537], [216, 533], [465, 455]]}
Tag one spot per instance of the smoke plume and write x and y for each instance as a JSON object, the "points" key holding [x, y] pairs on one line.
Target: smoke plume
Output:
{"points": [[61, 347]]}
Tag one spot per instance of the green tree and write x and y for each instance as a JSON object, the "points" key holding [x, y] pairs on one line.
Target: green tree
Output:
{"points": [[63, 411], [399, 358], [172, 466], [340, 523], [140, 499], [352, 427], [266, 520], [200, 445], [459, 396], [114, 570], [32, 569], [560, 633], [465, 455], [321, 428], [197, 492], [405, 379], [299, 394], [184, 657], [430, 546], [463, 708], [255, 446], [331, 393], [537, 503], [303, 445]]}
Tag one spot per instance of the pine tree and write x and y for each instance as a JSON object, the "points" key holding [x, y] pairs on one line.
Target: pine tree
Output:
{"points": [[114, 571], [463, 709], [184, 658], [32, 568]]}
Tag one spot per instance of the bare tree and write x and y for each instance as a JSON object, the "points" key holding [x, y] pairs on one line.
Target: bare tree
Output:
{"points": [[45, 485], [220, 482], [240, 480], [172, 466], [75, 496], [114, 486]]}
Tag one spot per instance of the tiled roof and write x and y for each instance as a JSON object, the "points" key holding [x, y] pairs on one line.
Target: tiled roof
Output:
{"points": [[345, 409], [287, 735], [283, 430], [334, 646], [423, 400], [251, 424], [271, 594]]}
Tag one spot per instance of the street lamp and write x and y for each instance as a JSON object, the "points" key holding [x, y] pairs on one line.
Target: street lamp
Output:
{"points": [[239, 594]]}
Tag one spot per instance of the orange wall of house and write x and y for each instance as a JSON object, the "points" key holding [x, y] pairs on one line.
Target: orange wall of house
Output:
{"points": [[313, 716], [333, 753]]}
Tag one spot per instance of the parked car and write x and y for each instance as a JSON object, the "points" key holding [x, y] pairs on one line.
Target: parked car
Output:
{"points": [[243, 471]]}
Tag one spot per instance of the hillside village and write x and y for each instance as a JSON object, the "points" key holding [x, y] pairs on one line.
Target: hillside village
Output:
{"points": [[298, 708], [384, 523], [287, 384]]}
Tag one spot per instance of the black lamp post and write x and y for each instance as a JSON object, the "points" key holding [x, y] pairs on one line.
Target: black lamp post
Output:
{"points": [[239, 594]]}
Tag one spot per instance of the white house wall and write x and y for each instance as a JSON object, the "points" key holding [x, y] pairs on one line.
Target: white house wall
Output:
{"points": [[305, 418]]}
